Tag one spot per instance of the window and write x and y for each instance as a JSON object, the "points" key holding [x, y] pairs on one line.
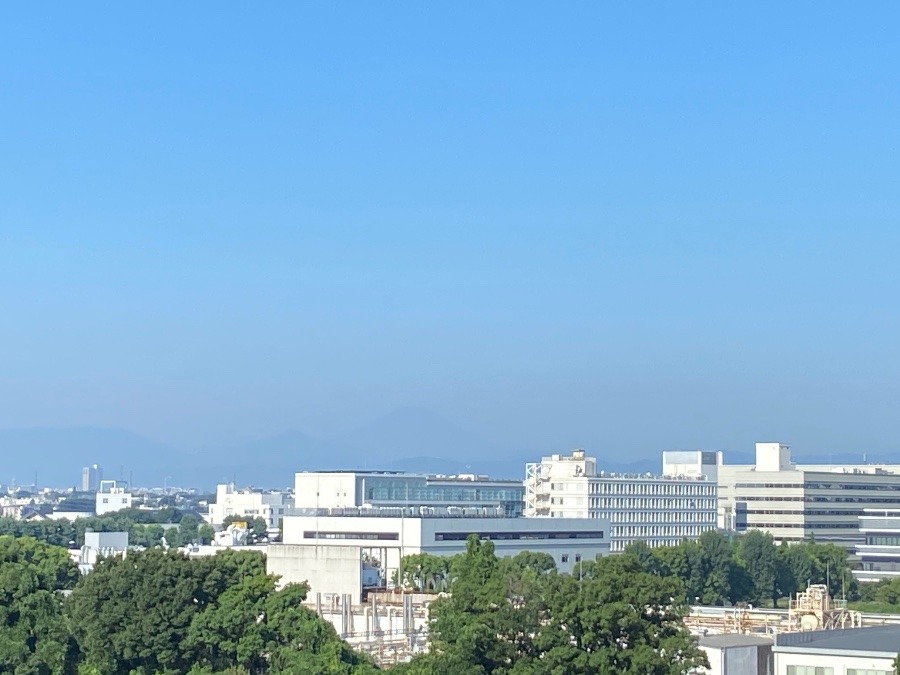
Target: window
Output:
{"points": [[864, 671], [106, 500], [389, 536], [810, 670], [564, 558], [577, 557], [124, 500]]}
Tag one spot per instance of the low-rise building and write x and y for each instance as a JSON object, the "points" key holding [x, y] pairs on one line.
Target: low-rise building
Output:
{"points": [[851, 651], [333, 548], [659, 510], [248, 504], [342, 489]]}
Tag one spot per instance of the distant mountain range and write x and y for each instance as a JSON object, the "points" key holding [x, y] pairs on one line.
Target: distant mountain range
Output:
{"points": [[408, 439]]}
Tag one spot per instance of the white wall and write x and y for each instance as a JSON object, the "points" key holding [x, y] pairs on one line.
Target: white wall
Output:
{"points": [[327, 569], [838, 664], [325, 490]]}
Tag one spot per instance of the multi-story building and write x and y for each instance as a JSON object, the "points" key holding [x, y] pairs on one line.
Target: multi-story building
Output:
{"points": [[800, 502], [91, 477], [249, 504], [659, 510], [111, 496], [879, 551], [340, 489]]}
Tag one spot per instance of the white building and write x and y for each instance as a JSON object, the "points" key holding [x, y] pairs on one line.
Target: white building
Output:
{"points": [[659, 510], [112, 496], [97, 544], [342, 489], [329, 547], [798, 502], [849, 651], [249, 504], [879, 551]]}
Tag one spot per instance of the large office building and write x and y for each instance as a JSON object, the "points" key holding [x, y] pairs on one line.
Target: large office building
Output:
{"points": [[335, 550], [661, 510], [879, 550], [799, 502], [249, 504], [341, 489]]}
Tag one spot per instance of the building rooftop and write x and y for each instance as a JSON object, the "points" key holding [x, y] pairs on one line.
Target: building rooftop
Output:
{"points": [[872, 639], [734, 640]]}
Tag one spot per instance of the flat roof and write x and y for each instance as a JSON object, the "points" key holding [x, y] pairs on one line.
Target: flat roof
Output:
{"points": [[734, 640], [870, 639]]}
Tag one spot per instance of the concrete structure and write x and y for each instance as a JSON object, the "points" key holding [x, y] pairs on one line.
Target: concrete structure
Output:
{"points": [[91, 477], [853, 651], [342, 489], [112, 496], [249, 504], [659, 510], [735, 654], [330, 548], [879, 552], [794, 503], [97, 544], [692, 464]]}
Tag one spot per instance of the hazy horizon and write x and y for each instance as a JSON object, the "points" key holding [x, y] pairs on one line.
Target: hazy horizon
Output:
{"points": [[619, 228]]}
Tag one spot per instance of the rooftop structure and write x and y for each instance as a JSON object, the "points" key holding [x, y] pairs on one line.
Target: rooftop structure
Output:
{"points": [[336, 489], [660, 510]]}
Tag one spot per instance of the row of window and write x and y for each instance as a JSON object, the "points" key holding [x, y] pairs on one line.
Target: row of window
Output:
{"points": [[369, 536], [505, 536], [823, 486], [805, 512], [667, 504], [882, 540]]}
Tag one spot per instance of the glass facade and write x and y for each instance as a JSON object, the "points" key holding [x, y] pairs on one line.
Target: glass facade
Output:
{"points": [[405, 490]]}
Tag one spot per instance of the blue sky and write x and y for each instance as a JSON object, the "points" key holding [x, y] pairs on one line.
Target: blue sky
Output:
{"points": [[630, 228]]}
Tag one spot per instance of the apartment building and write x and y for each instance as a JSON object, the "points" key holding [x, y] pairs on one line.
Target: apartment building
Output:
{"points": [[660, 510]]}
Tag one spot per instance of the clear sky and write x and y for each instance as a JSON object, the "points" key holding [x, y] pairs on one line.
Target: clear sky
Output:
{"points": [[653, 226]]}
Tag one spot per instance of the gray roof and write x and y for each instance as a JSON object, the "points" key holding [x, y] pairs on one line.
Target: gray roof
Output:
{"points": [[872, 639], [734, 640]]}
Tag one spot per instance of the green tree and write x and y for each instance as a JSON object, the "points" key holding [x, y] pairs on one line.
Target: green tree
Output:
{"points": [[716, 564], [758, 553], [33, 636]]}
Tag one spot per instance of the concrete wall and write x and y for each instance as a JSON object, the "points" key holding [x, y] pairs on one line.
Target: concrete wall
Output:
{"points": [[325, 490], [327, 569]]}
